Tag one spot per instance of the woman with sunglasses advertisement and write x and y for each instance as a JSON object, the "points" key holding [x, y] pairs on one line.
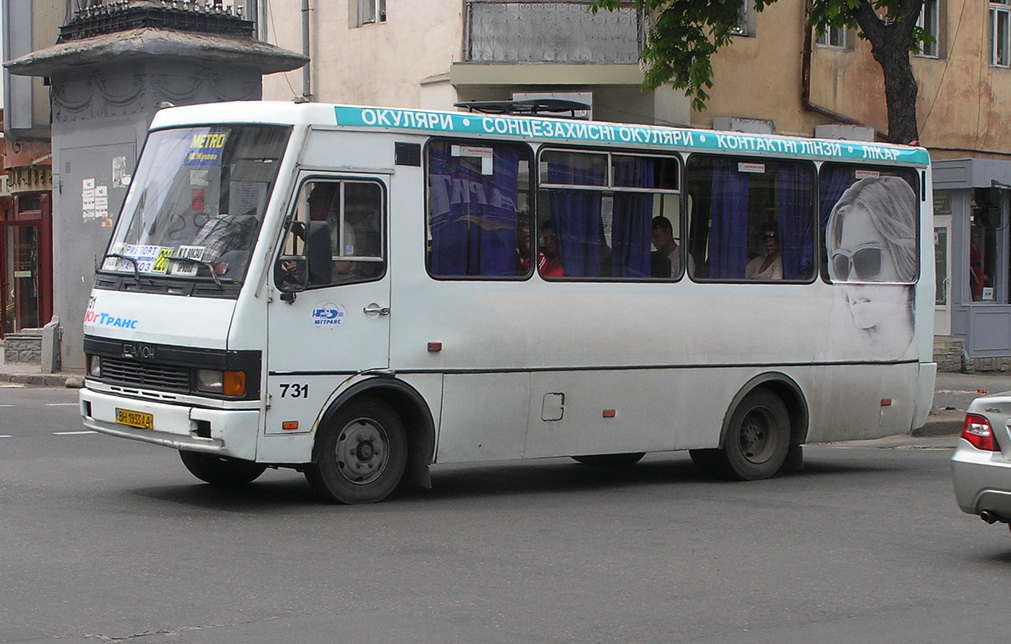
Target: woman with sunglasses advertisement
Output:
{"points": [[872, 260]]}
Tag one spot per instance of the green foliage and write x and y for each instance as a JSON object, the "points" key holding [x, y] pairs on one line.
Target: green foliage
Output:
{"points": [[681, 39], [683, 35]]}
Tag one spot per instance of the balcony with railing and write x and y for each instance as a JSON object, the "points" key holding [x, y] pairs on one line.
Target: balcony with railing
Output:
{"points": [[551, 32]]}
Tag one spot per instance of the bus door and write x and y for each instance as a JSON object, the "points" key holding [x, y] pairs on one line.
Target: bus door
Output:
{"points": [[335, 323]]}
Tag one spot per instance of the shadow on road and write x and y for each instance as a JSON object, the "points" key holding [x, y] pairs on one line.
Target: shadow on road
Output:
{"points": [[287, 489]]}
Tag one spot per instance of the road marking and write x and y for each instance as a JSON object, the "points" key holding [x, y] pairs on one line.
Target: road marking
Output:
{"points": [[71, 404], [6, 436], [6, 405], [78, 433]]}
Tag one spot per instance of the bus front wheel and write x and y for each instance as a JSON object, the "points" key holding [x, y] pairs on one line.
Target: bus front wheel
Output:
{"points": [[221, 471], [360, 454], [757, 440]]}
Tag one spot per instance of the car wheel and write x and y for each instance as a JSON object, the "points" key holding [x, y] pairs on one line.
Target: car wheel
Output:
{"points": [[360, 454]]}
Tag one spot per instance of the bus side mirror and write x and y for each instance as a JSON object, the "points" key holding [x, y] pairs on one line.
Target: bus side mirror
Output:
{"points": [[317, 248]]}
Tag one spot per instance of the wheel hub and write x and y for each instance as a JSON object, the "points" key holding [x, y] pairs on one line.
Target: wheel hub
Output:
{"points": [[755, 438], [361, 451]]}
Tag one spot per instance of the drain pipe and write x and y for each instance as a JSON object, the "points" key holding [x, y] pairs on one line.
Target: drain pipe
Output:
{"points": [[307, 69], [805, 87]]}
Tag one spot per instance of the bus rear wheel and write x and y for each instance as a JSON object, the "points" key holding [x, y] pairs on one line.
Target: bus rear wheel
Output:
{"points": [[360, 454], [221, 471], [757, 439]]}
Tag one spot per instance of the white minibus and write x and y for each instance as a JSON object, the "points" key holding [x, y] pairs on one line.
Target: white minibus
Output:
{"points": [[358, 293]]}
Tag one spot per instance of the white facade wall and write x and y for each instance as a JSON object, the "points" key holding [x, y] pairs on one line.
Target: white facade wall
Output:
{"points": [[403, 62]]}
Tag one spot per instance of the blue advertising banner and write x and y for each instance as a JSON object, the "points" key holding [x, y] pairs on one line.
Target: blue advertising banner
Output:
{"points": [[598, 132]]}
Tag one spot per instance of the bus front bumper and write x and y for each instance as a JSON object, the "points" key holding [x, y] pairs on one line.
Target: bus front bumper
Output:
{"points": [[223, 432]]}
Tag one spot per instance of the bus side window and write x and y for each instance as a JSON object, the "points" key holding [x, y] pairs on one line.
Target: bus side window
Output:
{"points": [[608, 212], [478, 219], [752, 219], [352, 212]]}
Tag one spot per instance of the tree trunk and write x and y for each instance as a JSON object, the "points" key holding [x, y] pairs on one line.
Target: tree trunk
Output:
{"points": [[890, 47], [900, 93]]}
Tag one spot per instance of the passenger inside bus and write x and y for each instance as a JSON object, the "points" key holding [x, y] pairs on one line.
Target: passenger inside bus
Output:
{"points": [[769, 265], [665, 261], [548, 261]]}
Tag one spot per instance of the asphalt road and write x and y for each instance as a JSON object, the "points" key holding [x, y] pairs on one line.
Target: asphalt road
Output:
{"points": [[107, 540]]}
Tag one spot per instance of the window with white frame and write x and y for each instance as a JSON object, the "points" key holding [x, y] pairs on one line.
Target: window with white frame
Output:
{"points": [[745, 20], [367, 12], [929, 21], [833, 37], [1000, 33]]}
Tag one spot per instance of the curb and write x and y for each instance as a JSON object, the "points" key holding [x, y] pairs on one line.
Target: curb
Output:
{"points": [[942, 423], [43, 380]]}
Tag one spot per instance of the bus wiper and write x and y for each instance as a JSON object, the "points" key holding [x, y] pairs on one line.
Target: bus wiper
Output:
{"points": [[199, 262], [136, 272]]}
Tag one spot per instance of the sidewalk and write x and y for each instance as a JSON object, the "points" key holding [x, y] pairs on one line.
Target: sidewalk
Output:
{"points": [[952, 393], [31, 374]]}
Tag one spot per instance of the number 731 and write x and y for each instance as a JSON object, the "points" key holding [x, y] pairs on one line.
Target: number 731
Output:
{"points": [[294, 390]]}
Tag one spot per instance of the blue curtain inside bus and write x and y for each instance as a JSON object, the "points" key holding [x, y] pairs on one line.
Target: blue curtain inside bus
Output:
{"points": [[793, 213], [473, 215], [632, 218], [576, 215], [728, 243]]}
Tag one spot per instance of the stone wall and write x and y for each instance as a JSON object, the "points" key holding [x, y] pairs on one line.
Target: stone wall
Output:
{"points": [[949, 354], [23, 347]]}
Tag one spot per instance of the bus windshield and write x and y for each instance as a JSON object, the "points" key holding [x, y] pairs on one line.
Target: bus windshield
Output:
{"points": [[195, 204]]}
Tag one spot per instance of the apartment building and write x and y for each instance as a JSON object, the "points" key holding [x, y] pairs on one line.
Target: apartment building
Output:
{"points": [[777, 76]]}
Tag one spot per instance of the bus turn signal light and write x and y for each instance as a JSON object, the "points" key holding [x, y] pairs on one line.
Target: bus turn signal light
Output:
{"points": [[234, 383], [289, 425]]}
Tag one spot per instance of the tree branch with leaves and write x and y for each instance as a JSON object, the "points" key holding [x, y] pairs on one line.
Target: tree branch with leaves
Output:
{"points": [[683, 35]]}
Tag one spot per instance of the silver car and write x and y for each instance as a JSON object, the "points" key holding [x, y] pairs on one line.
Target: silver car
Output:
{"points": [[981, 464]]}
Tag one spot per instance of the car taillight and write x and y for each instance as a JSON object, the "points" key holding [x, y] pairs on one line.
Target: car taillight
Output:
{"points": [[976, 429]]}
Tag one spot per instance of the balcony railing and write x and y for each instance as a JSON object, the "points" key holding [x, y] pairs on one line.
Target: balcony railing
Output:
{"points": [[551, 32], [85, 18]]}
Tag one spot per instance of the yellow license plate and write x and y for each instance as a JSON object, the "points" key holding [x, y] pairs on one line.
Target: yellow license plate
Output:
{"points": [[137, 419]]}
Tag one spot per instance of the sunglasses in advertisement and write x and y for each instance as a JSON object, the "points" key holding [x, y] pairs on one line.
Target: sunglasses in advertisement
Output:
{"points": [[865, 262]]}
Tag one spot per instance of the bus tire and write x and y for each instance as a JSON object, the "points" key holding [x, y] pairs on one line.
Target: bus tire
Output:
{"points": [[361, 453], [758, 437], [610, 460], [221, 471]]}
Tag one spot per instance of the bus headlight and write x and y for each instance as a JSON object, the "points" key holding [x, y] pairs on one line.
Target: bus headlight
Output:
{"points": [[95, 366], [228, 383]]}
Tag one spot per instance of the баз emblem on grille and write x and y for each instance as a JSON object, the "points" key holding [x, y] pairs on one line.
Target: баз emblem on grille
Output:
{"points": [[138, 351]]}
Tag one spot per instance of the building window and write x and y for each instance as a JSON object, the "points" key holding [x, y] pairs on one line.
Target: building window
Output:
{"points": [[745, 21], [929, 21], [1000, 32], [367, 12], [834, 37]]}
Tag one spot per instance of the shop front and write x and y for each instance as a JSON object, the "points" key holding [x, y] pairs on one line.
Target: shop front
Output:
{"points": [[26, 262], [972, 206]]}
